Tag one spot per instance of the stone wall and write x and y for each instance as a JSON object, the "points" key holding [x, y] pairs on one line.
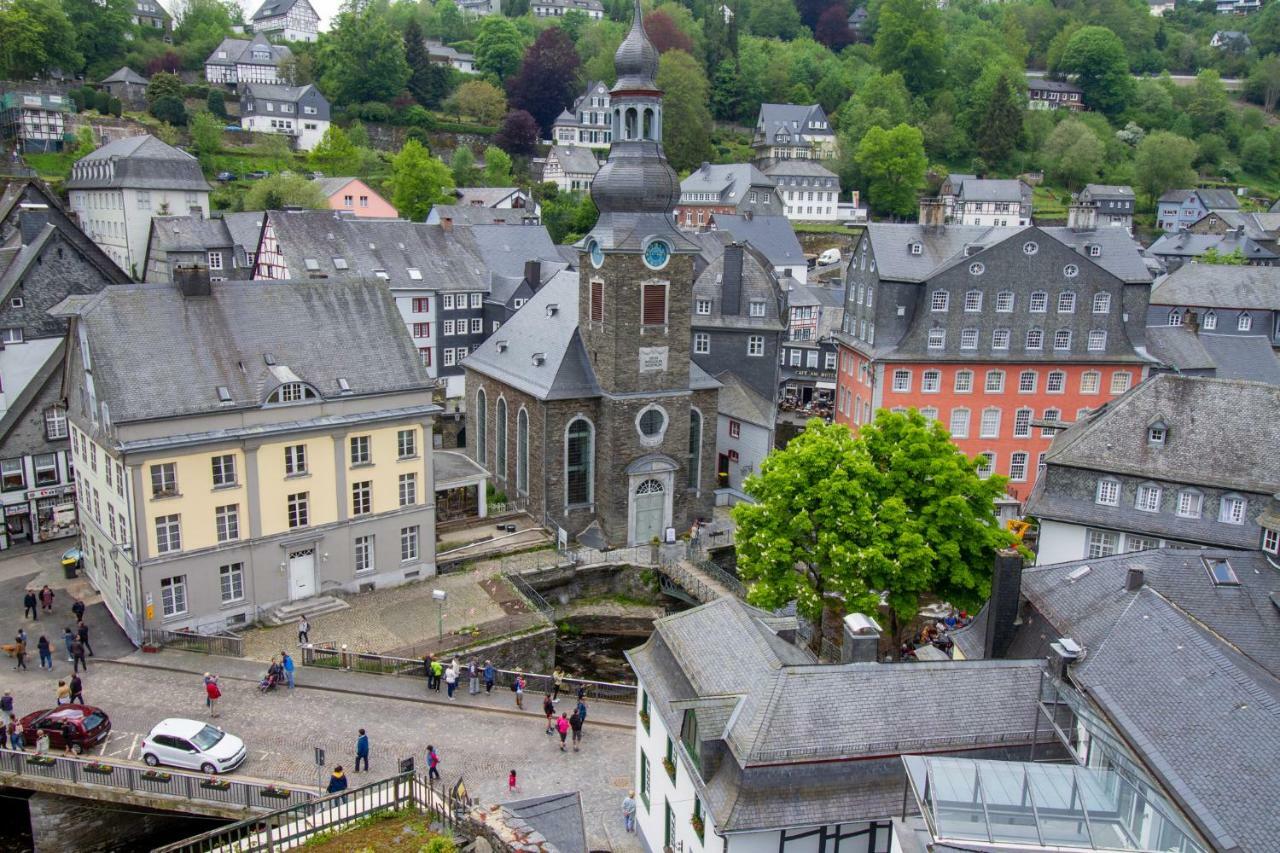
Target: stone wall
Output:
{"points": [[564, 584], [532, 652], [61, 823]]}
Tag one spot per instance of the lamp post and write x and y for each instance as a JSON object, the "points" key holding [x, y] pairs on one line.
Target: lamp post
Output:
{"points": [[440, 597]]}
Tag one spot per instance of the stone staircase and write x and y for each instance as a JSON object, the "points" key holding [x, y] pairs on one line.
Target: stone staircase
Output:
{"points": [[290, 612]]}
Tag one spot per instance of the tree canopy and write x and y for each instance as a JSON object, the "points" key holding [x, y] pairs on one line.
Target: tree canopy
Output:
{"points": [[686, 121], [418, 181], [277, 191], [1097, 57], [361, 57], [547, 81], [893, 162]]}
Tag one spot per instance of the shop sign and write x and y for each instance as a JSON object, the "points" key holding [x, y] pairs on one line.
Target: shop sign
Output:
{"points": [[15, 509]]}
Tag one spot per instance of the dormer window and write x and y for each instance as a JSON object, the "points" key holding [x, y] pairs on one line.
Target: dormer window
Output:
{"points": [[917, 248], [1157, 434], [1095, 250], [292, 392]]}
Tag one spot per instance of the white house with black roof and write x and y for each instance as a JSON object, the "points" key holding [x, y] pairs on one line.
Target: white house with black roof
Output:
{"points": [[290, 20], [1177, 462], [255, 60], [793, 131], [298, 112], [993, 202]]}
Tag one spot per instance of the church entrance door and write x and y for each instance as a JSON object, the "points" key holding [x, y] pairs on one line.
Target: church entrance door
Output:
{"points": [[650, 511]]}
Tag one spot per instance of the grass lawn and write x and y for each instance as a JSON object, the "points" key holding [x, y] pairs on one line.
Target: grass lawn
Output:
{"points": [[405, 831], [51, 167], [824, 228], [1047, 202]]}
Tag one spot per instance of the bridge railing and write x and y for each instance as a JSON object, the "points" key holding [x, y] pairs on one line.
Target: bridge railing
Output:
{"points": [[222, 643], [172, 783]]}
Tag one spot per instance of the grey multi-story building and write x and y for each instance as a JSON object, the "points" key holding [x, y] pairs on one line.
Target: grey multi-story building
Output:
{"points": [[1114, 203], [187, 241], [290, 465], [1227, 300], [299, 112], [1177, 462], [1180, 209], [809, 353], [734, 188], [793, 131], [254, 60]]}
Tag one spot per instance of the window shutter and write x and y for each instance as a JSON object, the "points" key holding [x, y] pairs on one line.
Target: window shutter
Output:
{"points": [[655, 305], [597, 302]]}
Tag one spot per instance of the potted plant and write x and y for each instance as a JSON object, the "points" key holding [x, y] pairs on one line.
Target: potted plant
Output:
{"points": [[698, 825], [670, 767], [156, 776], [99, 768], [644, 719], [276, 793], [42, 760], [213, 783]]}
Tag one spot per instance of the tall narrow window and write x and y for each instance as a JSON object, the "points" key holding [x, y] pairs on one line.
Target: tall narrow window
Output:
{"points": [[522, 452], [695, 447], [655, 305], [482, 427], [597, 301], [500, 458], [579, 449]]}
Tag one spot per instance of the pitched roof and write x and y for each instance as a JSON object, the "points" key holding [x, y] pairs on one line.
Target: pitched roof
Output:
{"points": [[738, 401], [153, 349], [188, 233], [1184, 349], [1222, 433], [556, 817], [1047, 85], [469, 214], [772, 236], [125, 74], [802, 167], [273, 9], [504, 248], [1185, 244], [793, 118], [1211, 199], [1220, 286], [273, 92], [484, 196], [238, 52], [990, 189], [138, 162], [725, 178], [1109, 191], [575, 160]]}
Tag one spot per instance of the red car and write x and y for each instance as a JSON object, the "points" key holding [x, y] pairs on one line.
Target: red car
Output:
{"points": [[92, 725]]}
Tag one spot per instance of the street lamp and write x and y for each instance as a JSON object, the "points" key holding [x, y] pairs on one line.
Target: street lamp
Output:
{"points": [[441, 597]]}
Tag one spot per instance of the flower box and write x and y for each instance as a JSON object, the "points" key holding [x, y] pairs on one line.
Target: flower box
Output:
{"points": [[644, 720], [670, 767], [156, 776], [42, 760], [276, 793], [214, 784], [698, 825], [100, 769]]}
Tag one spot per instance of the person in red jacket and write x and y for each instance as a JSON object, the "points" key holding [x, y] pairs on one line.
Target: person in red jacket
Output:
{"points": [[212, 693]]}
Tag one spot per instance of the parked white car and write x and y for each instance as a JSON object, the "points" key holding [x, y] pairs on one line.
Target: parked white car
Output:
{"points": [[193, 745]]}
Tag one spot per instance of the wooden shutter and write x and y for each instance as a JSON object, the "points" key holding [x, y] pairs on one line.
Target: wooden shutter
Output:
{"points": [[597, 301], [655, 305]]}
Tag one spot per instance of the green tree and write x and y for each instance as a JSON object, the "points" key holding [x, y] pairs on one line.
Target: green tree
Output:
{"points": [[1209, 107], [479, 100], [36, 36], [774, 19], [418, 181], [1234, 258], [361, 56], [163, 85], [463, 167], [893, 163], [170, 109], [335, 154], [840, 521], [104, 27], [686, 123], [910, 39], [216, 103], [1072, 153], [1255, 154], [1001, 123], [277, 191], [275, 148], [1264, 82], [201, 27], [1163, 162], [499, 47], [497, 168], [429, 82], [206, 137], [1097, 58]]}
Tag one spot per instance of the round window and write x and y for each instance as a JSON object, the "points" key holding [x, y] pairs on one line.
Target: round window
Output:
{"points": [[976, 268], [1030, 248], [596, 253], [1071, 270], [656, 254], [651, 422]]}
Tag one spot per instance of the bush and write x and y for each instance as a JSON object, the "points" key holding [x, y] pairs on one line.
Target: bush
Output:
{"points": [[216, 103], [116, 107], [170, 109], [414, 116], [371, 111], [420, 134], [195, 91], [102, 102]]}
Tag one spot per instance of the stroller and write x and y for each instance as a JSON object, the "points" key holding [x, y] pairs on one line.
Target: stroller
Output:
{"points": [[273, 677]]}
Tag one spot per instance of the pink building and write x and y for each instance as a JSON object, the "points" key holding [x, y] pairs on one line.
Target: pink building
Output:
{"points": [[355, 196]]}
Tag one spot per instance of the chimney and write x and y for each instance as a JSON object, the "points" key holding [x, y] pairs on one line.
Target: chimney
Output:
{"points": [[861, 639], [1002, 609], [32, 218], [533, 274], [731, 281], [1191, 320], [705, 167], [750, 215], [446, 224], [1082, 216], [933, 213], [1134, 580], [1062, 654], [192, 280]]}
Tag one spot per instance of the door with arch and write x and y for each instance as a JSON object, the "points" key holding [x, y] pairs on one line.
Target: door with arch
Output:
{"points": [[650, 510]]}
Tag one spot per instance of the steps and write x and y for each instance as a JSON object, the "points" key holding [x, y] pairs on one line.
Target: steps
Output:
{"points": [[290, 612]]}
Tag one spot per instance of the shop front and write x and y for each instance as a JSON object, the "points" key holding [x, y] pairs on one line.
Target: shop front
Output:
{"points": [[52, 512]]}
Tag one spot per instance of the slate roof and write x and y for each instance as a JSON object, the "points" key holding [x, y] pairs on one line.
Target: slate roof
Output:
{"points": [[727, 180], [989, 189], [1210, 199], [484, 196], [757, 282], [158, 354], [1207, 717], [460, 214], [1185, 244], [1256, 226], [246, 231], [799, 168], [504, 248], [1047, 85], [557, 817], [1111, 192], [772, 236], [274, 92], [1184, 349], [1220, 286], [793, 118], [576, 160], [137, 162], [238, 52], [188, 233], [1222, 433], [739, 402], [125, 74], [273, 9], [451, 466]]}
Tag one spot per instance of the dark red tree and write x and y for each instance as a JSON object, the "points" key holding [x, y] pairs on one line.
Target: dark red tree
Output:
{"points": [[167, 61], [664, 33], [833, 28], [547, 81], [811, 11], [518, 135]]}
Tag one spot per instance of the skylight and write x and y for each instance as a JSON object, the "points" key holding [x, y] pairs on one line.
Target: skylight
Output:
{"points": [[311, 264], [340, 264], [1221, 573], [415, 273]]}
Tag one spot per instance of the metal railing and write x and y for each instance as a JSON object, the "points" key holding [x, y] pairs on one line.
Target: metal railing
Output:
{"points": [[330, 656], [221, 643], [171, 783], [729, 581], [535, 599]]}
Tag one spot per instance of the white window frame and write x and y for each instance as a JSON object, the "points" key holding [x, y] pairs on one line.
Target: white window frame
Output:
{"points": [[173, 596], [701, 343], [1148, 497], [1108, 492], [1232, 509], [1190, 504]]}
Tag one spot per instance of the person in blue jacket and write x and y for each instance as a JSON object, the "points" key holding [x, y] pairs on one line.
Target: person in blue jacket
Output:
{"points": [[362, 751]]}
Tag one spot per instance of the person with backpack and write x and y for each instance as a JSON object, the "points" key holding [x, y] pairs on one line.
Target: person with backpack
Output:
{"points": [[433, 763], [575, 723], [549, 711], [562, 726]]}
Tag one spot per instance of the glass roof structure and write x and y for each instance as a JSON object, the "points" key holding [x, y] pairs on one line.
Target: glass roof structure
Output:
{"points": [[1010, 805]]}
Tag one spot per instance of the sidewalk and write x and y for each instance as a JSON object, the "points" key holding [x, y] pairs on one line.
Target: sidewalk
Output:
{"points": [[405, 688]]}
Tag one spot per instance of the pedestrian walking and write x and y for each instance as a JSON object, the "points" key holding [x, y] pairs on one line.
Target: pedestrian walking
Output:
{"points": [[22, 636], [581, 710], [548, 710], [6, 705], [304, 630], [46, 599], [45, 651], [490, 675], [426, 668], [518, 687], [29, 605], [212, 693], [557, 684], [286, 663], [82, 631], [511, 782], [17, 739], [562, 726], [473, 678], [338, 783], [67, 638], [362, 751], [77, 653], [20, 651], [77, 690], [437, 675], [575, 723], [68, 733], [433, 763], [78, 610], [451, 679], [629, 811], [64, 693]]}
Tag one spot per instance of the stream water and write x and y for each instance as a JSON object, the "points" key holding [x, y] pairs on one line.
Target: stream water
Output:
{"points": [[597, 657]]}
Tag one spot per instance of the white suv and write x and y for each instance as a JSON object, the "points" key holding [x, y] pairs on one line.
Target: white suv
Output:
{"points": [[193, 745]]}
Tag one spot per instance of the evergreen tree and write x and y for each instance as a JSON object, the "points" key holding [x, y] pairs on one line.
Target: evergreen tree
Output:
{"points": [[1001, 123]]}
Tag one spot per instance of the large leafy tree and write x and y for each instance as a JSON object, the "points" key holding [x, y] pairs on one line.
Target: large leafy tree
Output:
{"points": [[839, 521], [1097, 58], [418, 181], [518, 135], [463, 166], [1001, 122], [910, 40], [278, 191], [1163, 162], [1072, 154], [499, 47], [477, 99], [362, 56], [36, 36], [832, 28], [336, 153], [548, 78], [686, 122], [774, 18], [893, 163], [104, 26], [497, 168], [664, 33]]}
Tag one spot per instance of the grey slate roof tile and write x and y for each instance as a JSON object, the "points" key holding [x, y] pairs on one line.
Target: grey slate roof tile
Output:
{"points": [[1220, 286], [138, 162], [772, 236]]}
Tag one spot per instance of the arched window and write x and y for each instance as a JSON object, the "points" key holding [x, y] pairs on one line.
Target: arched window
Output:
{"points": [[522, 452], [632, 121], [648, 123], [579, 463], [500, 461], [482, 428], [292, 392], [695, 447]]}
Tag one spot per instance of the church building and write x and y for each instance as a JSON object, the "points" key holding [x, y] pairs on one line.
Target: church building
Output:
{"points": [[587, 403]]}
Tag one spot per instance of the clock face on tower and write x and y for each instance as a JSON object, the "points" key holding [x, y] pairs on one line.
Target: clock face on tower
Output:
{"points": [[656, 255], [596, 253]]}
